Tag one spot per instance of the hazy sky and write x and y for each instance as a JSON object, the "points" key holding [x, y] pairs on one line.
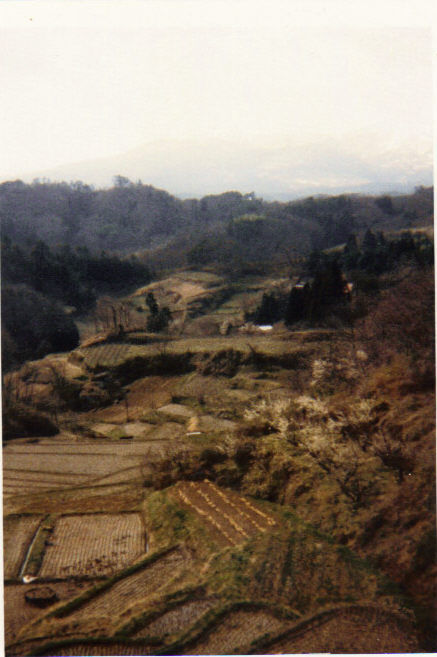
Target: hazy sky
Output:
{"points": [[85, 80]]}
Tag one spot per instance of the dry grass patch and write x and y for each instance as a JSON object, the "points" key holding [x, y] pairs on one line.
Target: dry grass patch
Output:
{"points": [[18, 532], [149, 392]]}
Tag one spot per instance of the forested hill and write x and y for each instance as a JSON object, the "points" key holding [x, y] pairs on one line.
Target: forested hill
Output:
{"points": [[134, 217]]}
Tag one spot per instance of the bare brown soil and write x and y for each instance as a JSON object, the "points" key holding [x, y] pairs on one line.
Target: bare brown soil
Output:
{"points": [[101, 649], [348, 631], [110, 604], [93, 545], [111, 498], [178, 619], [236, 632], [30, 468], [18, 612], [68, 464]]}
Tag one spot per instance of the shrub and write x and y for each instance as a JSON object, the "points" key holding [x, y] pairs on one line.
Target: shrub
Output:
{"points": [[403, 322], [21, 421], [38, 325]]}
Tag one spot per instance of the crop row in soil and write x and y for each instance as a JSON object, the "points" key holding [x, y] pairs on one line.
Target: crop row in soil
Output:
{"points": [[89, 448], [348, 630], [178, 619], [93, 545], [106, 355], [99, 648], [126, 592], [70, 465], [236, 631], [234, 517]]}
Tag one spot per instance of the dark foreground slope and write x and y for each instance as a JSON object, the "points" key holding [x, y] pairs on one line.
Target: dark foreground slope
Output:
{"points": [[224, 574]]}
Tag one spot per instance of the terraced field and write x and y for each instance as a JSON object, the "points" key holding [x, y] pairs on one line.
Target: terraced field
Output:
{"points": [[354, 629], [106, 355], [129, 591], [192, 568], [228, 515], [205, 592], [111, 355], [18, 532], [178, 619], [17, 612], [93, 545], [101, 649], [31, 468], [235, 633]]}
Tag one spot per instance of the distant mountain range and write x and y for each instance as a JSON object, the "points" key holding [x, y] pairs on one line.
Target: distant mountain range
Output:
{"points": [[279, 171]]}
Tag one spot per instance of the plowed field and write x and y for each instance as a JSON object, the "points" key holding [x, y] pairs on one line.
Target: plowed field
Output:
{"points": [[93, 545], [106, 355], [236, 632], [177, 619], [31, 468], [348, 631], [101, 649], [140, 585], [18, 533], [230, 516]]}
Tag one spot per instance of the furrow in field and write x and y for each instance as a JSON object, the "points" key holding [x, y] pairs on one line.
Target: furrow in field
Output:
{"points": [[94, 448], [236, 632], [100, 649], [93, 545], [126, 592], [230, 514], [190, 496], [245, 505], [364, 629], [242, 511], [178, 619], [95, 465]]}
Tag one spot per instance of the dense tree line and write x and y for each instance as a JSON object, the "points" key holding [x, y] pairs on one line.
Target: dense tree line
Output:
{"points": [[39, 281], [33, 326], [376, 254], [131, 216], [331, 277], [52, 233], [367, 259], [74, 277], [312, 302], [125, 218], [159, 318], [249, 244]]}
